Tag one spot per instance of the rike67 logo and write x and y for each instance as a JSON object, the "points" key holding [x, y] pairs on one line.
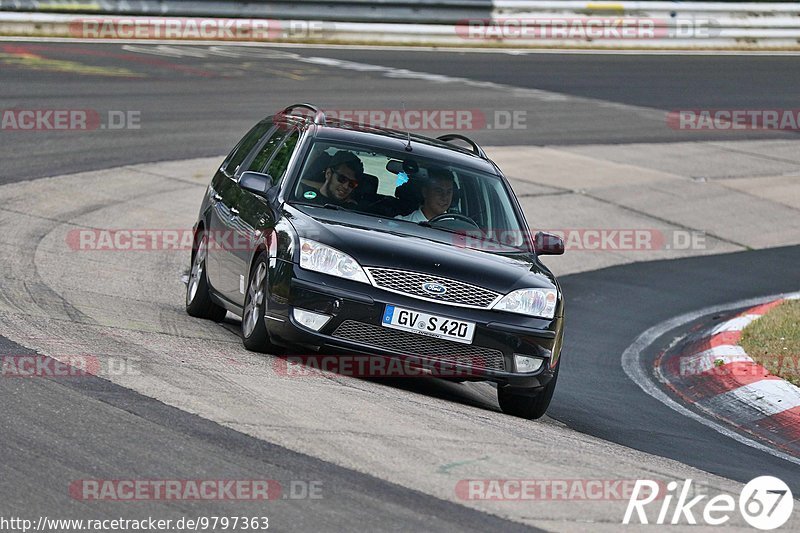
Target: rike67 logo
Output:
{"points": [[765, 503]]}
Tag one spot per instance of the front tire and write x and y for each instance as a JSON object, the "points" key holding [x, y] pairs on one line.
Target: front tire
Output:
{"points": [[198, 299], [528, 405], [255, 336]]}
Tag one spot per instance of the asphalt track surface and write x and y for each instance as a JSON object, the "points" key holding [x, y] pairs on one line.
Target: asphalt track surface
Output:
{"points": [[598, 397], [194, 104], [198, 106], [111, 428]]}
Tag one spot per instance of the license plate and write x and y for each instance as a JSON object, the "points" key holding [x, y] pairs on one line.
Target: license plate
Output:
{"points": [[428, 325]]}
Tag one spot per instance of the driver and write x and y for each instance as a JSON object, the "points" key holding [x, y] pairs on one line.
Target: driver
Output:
{"points": [[437, 195]]}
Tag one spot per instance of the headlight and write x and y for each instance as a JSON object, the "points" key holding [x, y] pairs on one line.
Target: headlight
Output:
{"points": [[320, 258], [532, 302]]}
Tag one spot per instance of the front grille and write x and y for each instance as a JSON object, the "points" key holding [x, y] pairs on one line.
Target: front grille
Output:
{"points": [[411, 344], [410, 284]]}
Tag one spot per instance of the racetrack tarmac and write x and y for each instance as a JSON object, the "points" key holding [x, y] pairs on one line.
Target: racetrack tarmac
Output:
{"points": [[192, 403], [194, 101]]}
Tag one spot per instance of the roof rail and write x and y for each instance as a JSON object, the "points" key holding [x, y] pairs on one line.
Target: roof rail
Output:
{"points": [[456, 137], [319, 115]]}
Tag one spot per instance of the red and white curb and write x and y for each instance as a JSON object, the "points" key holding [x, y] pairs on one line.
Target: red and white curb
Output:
{"points": [[715, 375]]}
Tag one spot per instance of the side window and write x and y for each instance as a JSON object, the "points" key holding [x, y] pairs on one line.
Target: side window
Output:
{"points": [[244, 147], [266, 150], [277, 167]]}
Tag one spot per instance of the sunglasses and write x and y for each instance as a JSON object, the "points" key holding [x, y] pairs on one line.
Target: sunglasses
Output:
{"points": [[353, 183]]}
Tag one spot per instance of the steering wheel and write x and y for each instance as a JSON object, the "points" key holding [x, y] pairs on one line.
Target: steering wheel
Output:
{"points": [[454, 216]]}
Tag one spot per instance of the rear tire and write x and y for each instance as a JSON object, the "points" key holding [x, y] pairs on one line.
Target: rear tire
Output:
{"points": [[528, 405], [198, 299], [255, 336]]}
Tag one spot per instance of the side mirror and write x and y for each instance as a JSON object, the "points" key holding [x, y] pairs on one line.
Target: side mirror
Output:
{"points": [[255, 182], [260, 184], [548, 244]]}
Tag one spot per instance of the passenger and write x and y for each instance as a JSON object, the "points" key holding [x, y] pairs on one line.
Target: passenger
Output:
{"points": [[341, 177], [437, 195]]}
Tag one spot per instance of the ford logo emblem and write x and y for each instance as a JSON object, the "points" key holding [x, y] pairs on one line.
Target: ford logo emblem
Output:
{"points": [[434, 288]]}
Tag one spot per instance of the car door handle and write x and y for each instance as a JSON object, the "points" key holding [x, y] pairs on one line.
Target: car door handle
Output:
{"points": [[217, 198], [234, 211]]}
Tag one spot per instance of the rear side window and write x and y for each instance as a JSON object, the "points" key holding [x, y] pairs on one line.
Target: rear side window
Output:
{"points": [[277, 167], [245, 146], [266, 150]]}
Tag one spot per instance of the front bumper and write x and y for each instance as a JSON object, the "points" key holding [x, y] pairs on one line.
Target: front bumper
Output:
{"points": [[356, 311]]}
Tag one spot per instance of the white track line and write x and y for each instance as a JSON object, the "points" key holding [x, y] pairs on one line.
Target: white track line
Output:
{"points": [[508, 51], [635, 369]]}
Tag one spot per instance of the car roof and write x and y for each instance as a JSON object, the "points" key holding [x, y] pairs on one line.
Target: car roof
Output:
{"points": [[420, 146], [384, 138]]}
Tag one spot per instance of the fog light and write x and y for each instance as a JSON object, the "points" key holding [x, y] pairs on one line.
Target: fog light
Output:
{"points": [[310, 319], [524, 363]]}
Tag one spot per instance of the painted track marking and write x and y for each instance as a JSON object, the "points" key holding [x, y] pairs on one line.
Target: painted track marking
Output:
{"points": [[636, 371]]}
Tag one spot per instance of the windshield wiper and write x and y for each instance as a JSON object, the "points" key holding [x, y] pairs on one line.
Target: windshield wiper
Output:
{"points": [[426, 224], [324, 206], [336, 207]]}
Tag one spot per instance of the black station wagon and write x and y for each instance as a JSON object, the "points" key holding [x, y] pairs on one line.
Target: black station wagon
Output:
{"points": [[341, 238]]}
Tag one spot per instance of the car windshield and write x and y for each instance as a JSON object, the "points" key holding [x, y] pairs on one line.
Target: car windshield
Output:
{"points": [[416, 190]]}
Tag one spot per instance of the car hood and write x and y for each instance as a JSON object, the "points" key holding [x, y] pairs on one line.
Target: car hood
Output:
{"points": [[389, 243]]}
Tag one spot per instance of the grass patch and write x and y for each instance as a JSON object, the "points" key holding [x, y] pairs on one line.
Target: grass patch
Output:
{"points": [[774, 341]]}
